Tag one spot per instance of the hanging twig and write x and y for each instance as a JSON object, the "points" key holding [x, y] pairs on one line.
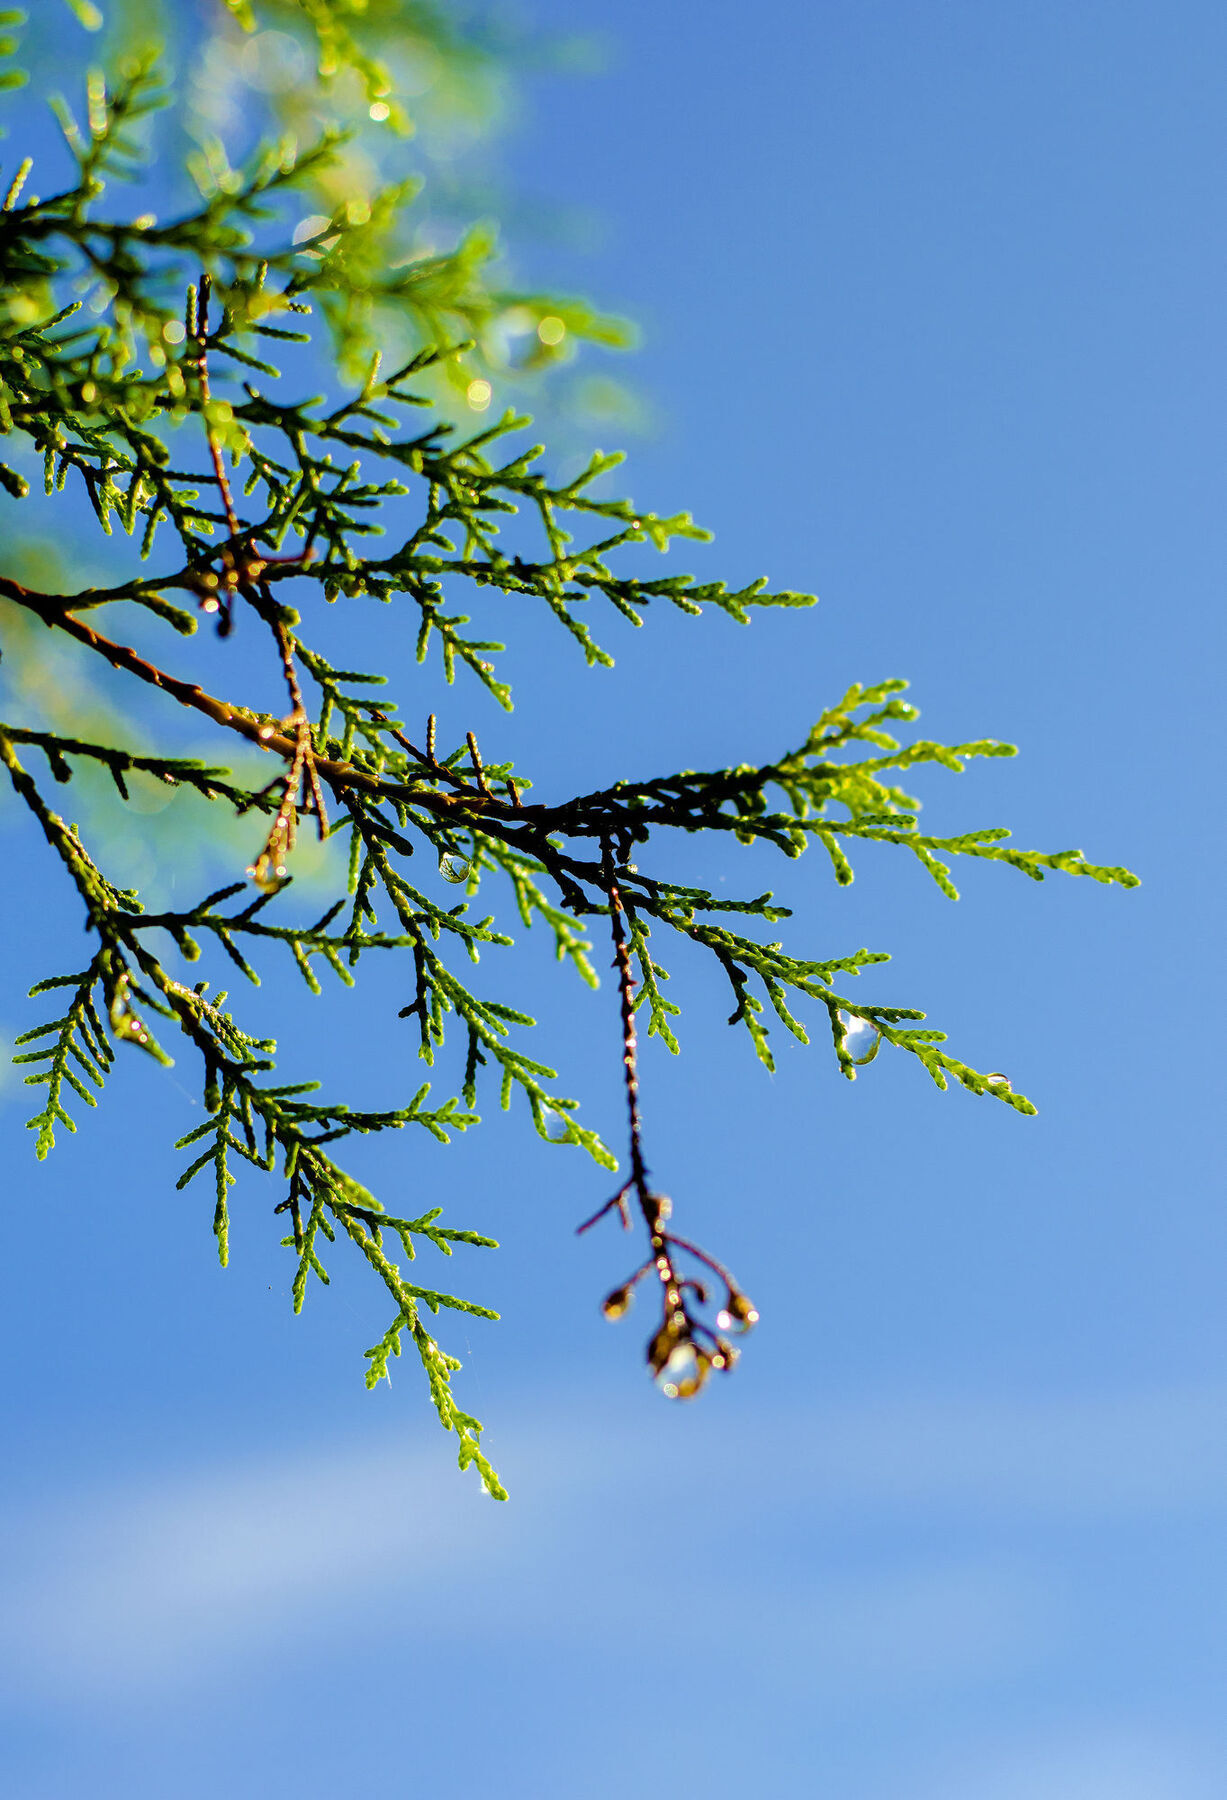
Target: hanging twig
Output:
{"points": [[684, 1350]]}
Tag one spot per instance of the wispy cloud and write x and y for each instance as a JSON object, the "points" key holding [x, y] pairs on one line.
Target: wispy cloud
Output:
{"points": [[1106, 1762], [1157, 1451], [124, 1592]]}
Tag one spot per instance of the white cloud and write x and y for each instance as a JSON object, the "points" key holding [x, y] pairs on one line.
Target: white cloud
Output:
{"points": [[125, 1589], [1110, 1762], [1159, 1451], [125, 1592]]}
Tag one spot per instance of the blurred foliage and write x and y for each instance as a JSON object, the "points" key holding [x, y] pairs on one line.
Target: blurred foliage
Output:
{"points": [[400, 107], [412, 98]]}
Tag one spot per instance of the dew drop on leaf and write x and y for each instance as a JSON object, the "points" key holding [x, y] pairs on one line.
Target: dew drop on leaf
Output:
{"points": [[861, 1039], [557, 1129]]}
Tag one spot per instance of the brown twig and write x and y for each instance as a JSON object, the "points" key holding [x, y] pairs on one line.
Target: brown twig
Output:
{"points": [[679, 1362], [303, 773], [618, 1200], [243, 572], [630, 1043], [200, 309], [201, 359], [522, 827]]}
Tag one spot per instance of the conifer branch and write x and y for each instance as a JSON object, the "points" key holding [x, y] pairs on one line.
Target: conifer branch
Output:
{"points": [[355, 494]]}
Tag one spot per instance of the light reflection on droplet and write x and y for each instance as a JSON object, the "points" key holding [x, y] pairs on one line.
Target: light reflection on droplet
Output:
{"points": [[454, 868], [739, 1315], [309, 227], [557, 1128], [684, 1373], [861, 1037]]}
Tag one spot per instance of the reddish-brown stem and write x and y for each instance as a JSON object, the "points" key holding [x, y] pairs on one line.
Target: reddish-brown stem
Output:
{"points": [[202, 377], [649, 1204], [52, 609], [652, 1206], [693, 1250], [303, 766], [679, 1325], [241, 574], [618, 1200]]}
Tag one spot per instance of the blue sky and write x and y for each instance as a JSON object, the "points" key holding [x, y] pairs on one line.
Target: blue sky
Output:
{"points": [[931, 305]]}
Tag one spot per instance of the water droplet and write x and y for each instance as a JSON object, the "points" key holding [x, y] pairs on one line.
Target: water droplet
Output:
{"points": [[267, 876], [454, 868], [684, 1372], [1000, 1080], [662, 1347], [861, 1038], [739, 1314], [557, 1127]]}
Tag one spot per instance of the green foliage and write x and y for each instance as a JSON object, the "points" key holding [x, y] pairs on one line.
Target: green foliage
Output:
{"points": [[135, 365]]}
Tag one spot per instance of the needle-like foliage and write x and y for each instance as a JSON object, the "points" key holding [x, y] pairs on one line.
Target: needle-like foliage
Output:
{"points": [[136, 370]]}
